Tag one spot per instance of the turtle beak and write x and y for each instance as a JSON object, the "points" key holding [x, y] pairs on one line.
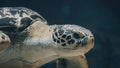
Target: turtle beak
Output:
{"points": [[87, 43], [87, 40]]}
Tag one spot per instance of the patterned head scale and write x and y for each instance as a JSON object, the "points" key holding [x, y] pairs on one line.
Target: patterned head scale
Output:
{"points": [[72, 36], [16, 19]]}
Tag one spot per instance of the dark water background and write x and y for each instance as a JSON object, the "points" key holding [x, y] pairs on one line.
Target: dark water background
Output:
{"points": [[102, 17]]}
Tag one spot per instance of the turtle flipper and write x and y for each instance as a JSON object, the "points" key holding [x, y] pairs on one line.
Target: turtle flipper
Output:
{"points": [[72, 62], [4, 41]]}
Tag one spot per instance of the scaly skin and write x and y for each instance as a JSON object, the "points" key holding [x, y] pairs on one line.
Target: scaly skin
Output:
{"points": [[72, 62], [38, 43]]}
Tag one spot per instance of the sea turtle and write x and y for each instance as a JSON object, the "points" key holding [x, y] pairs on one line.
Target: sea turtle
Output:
{"points": [[27, 41]]}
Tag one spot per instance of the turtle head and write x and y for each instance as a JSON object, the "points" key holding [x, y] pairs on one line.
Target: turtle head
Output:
{"points": [[73, 38]]}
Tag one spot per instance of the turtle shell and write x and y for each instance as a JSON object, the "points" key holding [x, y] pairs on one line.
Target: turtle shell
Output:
{"points": [[16, 19]]}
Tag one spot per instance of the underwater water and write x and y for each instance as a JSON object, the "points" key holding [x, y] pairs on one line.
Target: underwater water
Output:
{"points": [[102, 17]]}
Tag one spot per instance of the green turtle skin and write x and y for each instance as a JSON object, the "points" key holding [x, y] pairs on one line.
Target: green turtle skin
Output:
{"points": [[18, 18], [13, 22], [27, 41]]}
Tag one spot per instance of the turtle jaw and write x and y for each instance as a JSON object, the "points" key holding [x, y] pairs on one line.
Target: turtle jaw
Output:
{"points": [[86, 45], [4, 41]]}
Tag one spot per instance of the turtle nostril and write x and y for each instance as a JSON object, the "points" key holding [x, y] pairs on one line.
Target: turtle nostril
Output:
{"points": [[91, 36], [92, 39]]}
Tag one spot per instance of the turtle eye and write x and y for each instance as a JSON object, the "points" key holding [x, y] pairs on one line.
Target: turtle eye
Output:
{"points": [[81, 34], [76, 35]]}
